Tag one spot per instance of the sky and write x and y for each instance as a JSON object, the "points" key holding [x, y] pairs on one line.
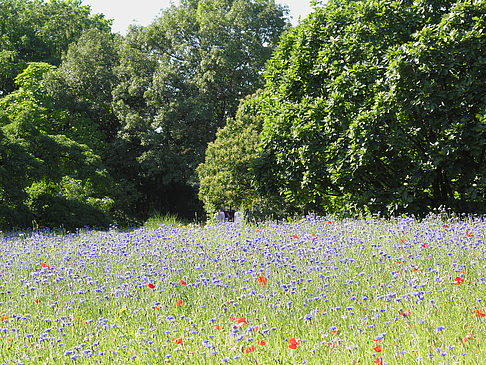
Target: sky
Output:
{"points": [[143, 12]]}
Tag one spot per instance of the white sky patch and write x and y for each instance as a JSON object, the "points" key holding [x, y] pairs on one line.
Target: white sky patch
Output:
{"points": [[143, 12]]}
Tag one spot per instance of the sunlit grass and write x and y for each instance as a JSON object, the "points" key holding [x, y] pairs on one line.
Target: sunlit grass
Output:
{"points": [[157, 220]]}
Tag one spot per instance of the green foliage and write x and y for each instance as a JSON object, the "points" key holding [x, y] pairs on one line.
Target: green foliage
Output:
{"points": [[83, 83], [225, 179], [39, 31], [67, 204], [62, 181], [376, 105], [116, 124], [16, 165], [179, 79]]}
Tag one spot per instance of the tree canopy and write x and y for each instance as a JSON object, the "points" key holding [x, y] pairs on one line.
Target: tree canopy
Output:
{"points": [[62, 181], [179, 80], [378, 106], [38, 31], [365, 106], [111, 126]]}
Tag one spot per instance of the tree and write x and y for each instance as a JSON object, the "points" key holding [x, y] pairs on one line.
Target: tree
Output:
{"points": [[84, 81], [16, 166], [83, 85], [38, 31], [224, 177], [63, 181], [179, 80], [378, 105]]}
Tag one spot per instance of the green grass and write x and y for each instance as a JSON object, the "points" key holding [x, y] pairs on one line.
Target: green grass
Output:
{"points": [[157, 220]]}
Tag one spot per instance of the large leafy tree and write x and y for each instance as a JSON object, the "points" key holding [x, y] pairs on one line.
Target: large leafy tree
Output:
{"points": [[62, 180], [39, 31], [179, 80], [83, 83], [378, 105]]}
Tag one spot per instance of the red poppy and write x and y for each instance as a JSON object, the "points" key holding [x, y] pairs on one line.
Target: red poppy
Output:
{"points": [[468, 337], [425, 244], [242, 320], [183, 282], [179, 302], [331, 345], [262, 280], [37, 300], [250, 349], [295, 236], [468, 234], [293, 343], [218, 327], [458, 280], [379, 361], [405, 313], [335, 330], [177, 340], [261, 343], [378, 348], [45, 266], [479, 313], [157, 307], [150, 285], [3, 318]]}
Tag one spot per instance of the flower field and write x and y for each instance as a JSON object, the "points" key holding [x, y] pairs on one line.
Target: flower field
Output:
{"points": [[321, 290]]}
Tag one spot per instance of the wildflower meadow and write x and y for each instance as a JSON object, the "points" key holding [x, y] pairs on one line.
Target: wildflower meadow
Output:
{"points": [[319, 290]]}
